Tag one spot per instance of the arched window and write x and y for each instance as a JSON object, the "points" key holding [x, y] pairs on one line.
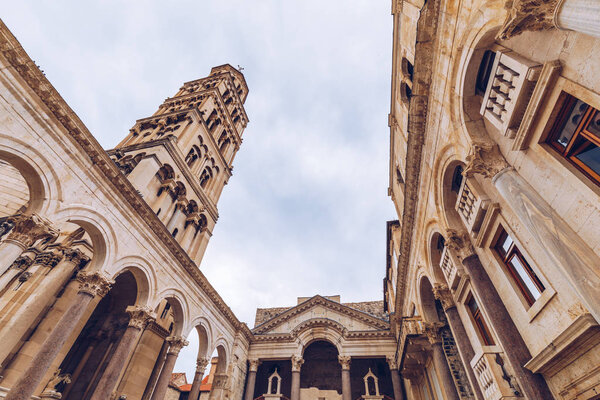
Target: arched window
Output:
{"points": [[484, 72], [457, 178], [175, 232], [205, 177]]}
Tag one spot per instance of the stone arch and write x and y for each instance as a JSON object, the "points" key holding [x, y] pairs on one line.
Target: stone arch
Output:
{"points": [[143, 273], [203, 328], [435, 246], [180, 309], [427, 300], [41, 179], [449, 185], [221, 346], [306, 334]]}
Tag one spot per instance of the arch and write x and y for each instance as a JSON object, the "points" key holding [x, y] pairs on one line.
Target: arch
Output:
{"points": [[311, 331], [179, 306], [436, 243], [427, 300], [165, 172], [448, 193], [222, 347], [143, 273]]}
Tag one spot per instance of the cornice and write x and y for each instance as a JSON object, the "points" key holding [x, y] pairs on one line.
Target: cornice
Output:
{"points": [[25, 68], [319, 300]]}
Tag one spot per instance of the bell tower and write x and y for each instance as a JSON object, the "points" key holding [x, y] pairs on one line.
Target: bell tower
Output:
{"points": [[181, 157]]}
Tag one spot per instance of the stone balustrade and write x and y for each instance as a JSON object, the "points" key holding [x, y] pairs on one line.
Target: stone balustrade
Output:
{"points": [[449, 269], [471, 205], [488, 367]]}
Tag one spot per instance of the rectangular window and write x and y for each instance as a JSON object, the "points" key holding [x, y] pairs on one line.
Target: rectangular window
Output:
{"points": [[480, 323], [518, 268], [576, 136]]}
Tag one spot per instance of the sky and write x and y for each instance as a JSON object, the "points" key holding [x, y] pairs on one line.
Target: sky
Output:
{"points": [[305, 210]]}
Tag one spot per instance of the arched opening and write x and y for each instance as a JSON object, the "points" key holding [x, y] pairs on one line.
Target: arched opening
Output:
{"points": [[452, 181], [222, 363], [437, 245], [428, 301], [21, 187], [321, 368], [92, 351]]}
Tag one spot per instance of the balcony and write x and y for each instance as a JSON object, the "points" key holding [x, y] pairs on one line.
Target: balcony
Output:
{"points": [[493, 379], [451, 272], [471, 205]]}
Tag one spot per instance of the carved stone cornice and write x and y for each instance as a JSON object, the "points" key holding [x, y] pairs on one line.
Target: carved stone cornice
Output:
{"points": [[76, 256], [176, 343], [345, 362], [22, 263], [297, 362], [432, 331], [444, 295], [139, 316], [528, 15], [485, 159], [459, 243], [94, 284], [254, 363], [156, 328], [392, 362], [29, 228], [349, 335]]}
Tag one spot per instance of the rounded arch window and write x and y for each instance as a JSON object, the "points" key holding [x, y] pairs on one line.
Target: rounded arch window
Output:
{"points": [[407, 68], [405, 92]]}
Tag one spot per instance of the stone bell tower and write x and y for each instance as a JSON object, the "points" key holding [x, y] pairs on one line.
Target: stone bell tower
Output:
{"points": [[181, 157]]}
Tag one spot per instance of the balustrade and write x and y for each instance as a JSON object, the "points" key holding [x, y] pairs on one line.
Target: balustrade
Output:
{"points": [[491, 376], [472, 204]]}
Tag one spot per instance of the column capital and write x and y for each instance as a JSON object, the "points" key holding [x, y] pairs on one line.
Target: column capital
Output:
{"points": [[432, 331], [443, 294], [27, 228], [176, 343], [345, 362], [460, 243], [139, 316], [528, 15], [22, 263], [392, 362], [254, 363], [49, 258], [202, 363], [297, 362], [76, 257], [485, 159], [94, 284]]}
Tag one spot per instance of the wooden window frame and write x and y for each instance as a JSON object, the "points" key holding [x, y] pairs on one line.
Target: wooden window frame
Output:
{"points": [[485, 335], [514, 252], [569, 152]]}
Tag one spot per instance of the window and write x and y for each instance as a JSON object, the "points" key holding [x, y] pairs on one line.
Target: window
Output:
{"points": [[165, 311], [519, 269], [576, 136], [457, 178], [480, 324], [485, 70]]}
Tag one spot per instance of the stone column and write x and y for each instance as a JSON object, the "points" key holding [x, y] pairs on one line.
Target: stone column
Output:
{"points": [[176, 343], [16, 268], [297, 362], [201, 364], [139, 316], [61, 264], [160, 361], [513, 345], [465, 349], [253, 368], [177, 218], [397, 385], [91, 285], [439, 360], [26, 231], [532, 15], [346, 387]]}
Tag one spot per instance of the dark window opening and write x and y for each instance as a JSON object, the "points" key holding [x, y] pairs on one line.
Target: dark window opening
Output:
{"points": [[485, 70], [457, 178], [480, 323], [165, 310]]}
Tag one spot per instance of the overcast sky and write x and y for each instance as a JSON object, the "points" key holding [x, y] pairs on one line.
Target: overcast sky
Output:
{"points": [[305, 210]]}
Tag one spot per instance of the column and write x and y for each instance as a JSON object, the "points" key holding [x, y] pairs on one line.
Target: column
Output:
{"points": [[61, 265], [397, 385], [91, 285], [532, 15], [439, 360], [465, 349], [201, 364], [346, 387], [253, 368], [17, 267], [176, 343], [297, 362], [27, 230], [158, 365], [176, 220], [532, 385], [139, 316]]}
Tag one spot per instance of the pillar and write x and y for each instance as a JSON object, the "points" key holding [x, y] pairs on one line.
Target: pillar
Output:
{"points": [[158, 365], [91, 285], [16, 268], [139, 317], [201, 364], [253, 368], [531, 15], [297, 362], [176, 343], [346, 387], [61, 265], [176, 220], [396, 384], [439, 360], [27, 229], [465, 349]]}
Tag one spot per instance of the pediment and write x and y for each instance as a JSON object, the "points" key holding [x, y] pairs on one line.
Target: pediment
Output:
{"points": [[319, 308]]}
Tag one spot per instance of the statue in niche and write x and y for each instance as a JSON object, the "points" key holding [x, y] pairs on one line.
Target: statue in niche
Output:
{"points": [[51, 391], [274, 387], [371, 387]]}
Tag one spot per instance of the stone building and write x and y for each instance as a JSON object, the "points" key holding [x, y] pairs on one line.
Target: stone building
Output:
{"points": [[492, 281], [493, 275]]}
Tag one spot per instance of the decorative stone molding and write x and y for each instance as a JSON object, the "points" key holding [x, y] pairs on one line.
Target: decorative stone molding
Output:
{"points": [[22, 263], [485, 159], [176, 343], [219, 381], [297, 362], [392, 362], [48, 258], [443, 294], [459, 243], [432, 331], [50, 391], [94, 284], [156, 328], [345, 362], [29, 228], [139, 316], [254, 363], [76, 257], [528, 15], [202, 363], [5, 227]]}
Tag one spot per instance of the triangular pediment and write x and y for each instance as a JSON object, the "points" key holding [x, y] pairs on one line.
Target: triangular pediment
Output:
{"points": [[318, 308]]}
